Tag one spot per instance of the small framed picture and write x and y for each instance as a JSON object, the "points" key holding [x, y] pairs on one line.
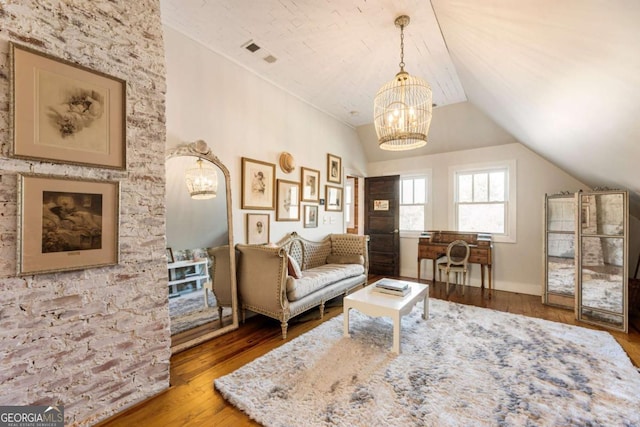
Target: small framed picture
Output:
{"points": [[257, 229], [181, 255], [334, 198], [310, 179], [288, 208], [170, 258], [66, 223], [66, 113], [334, 168], [310, 216], [199, 254], [258, 184], [381, 205]]}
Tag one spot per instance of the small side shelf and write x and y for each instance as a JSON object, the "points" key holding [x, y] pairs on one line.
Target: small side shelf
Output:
{"points": [[186, 276]]}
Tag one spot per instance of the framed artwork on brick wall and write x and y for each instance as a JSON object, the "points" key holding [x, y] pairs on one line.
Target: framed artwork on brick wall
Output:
{"points": [[66, 223], [66, 113]]}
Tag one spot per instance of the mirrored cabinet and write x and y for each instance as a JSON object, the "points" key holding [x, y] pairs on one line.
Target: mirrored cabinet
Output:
{"points": [[560, 250], [603, 258], [586, 255]]}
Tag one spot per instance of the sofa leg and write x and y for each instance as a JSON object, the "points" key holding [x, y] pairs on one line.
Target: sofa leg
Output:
{"points": [[244, 314], [284, 325], [220, 314], [321, 310]]}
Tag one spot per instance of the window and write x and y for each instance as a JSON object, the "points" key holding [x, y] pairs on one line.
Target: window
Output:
{"points": [[350, 213], [413, 203], [484, 200]]}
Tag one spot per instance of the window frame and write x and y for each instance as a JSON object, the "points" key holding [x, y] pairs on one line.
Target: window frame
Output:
{"points": [[428, 206], [510, 202]]}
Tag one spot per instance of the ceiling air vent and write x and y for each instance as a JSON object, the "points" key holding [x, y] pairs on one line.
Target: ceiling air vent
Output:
{"points": [[270, 59], [251, 46]]}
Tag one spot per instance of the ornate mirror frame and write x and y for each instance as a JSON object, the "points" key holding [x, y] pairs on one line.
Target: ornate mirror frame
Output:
{"points": [[201, 150]]}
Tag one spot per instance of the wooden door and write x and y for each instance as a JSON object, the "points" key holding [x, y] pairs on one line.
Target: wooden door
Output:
{"points": [[381, 223]]}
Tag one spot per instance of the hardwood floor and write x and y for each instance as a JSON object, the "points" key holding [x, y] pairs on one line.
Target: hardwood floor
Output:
{"points": [[192, 401]]}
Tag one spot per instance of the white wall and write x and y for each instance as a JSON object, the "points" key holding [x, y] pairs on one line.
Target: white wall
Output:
{"points": [[241, 115], [194, 223], [518, 267]]}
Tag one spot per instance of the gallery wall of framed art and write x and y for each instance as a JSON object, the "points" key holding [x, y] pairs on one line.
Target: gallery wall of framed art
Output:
{"points": [[66, 113]]}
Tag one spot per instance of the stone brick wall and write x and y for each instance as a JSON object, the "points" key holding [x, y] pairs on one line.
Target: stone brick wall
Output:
{"points": [[94, 340]]}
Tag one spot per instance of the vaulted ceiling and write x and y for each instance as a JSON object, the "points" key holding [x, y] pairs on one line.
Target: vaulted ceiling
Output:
{"points": [[560, 76]]}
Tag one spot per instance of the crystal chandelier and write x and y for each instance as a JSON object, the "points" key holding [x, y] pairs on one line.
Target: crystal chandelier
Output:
{"points": [[202, 181], [402, 107]]}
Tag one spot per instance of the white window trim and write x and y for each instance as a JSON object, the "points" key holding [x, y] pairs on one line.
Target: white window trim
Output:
{"points": [[511, 223], [348, 224], [427, 173]]}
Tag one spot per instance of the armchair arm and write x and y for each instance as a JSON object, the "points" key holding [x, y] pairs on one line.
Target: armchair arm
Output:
{"points": [[219, 273], [262, 273]]}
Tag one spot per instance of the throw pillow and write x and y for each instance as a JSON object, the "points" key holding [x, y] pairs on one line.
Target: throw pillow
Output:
{"points": [[293, 268], [345, 259]]}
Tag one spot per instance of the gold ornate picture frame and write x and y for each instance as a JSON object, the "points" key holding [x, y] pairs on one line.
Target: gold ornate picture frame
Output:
{"points": [[288, 208], [310, 216], [310, 179], [66, 113], [334, 168], [66, 223], [257, 228], [334, 198], [258, 184]]}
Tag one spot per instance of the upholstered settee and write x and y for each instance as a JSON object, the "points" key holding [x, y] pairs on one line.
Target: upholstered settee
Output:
{"points": [[220, 273], [296, 274]]}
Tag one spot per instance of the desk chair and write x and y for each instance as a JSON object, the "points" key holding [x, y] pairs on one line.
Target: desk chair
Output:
{"points": [[457, 262]]}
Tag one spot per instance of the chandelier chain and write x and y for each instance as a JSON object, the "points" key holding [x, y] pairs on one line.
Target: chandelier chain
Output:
{"points": [[401, 48]]}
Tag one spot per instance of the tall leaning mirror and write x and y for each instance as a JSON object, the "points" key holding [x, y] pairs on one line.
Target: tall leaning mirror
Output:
{"points": [[603, 258], [200, 253]]}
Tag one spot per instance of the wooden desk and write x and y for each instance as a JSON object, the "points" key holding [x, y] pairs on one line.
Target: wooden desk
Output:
{"points": [[433, 244]]}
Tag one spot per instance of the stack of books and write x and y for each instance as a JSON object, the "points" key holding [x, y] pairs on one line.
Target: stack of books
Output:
{"points": [[392, 287]]}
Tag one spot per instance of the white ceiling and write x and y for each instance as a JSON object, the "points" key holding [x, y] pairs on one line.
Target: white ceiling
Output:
{"points": [[560, 76]]}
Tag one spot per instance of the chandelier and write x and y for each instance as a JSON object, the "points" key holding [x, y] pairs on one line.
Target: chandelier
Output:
{"points": [[402, 107], [202, 181]]}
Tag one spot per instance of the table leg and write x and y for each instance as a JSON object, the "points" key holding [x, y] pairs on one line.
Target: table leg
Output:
{"points": [[425, 308], [396, 333], [481, 276], [434, 271], [490, 285], [346, 320], [419, 270]]}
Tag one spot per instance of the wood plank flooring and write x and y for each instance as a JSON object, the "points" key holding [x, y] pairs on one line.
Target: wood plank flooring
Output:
{"points": [[192, 401]]}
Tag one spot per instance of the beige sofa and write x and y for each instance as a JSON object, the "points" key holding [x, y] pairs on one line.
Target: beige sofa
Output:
{"points": [[220, 283], [269, 284]]}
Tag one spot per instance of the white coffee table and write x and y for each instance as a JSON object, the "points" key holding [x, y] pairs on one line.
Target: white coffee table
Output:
{"points": [[377, 304]]}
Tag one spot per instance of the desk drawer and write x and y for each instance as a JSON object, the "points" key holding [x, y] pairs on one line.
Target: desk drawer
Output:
{"points": [[479, 256], [430, 252]]}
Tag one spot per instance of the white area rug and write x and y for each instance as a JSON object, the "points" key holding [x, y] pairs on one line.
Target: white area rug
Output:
{"points": [[188, 311], [465, 366]]}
